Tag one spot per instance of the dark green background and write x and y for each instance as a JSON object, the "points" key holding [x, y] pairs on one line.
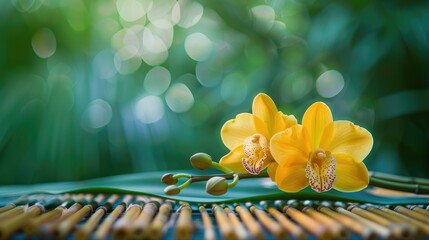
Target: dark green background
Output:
{"points": [[47, 132]]}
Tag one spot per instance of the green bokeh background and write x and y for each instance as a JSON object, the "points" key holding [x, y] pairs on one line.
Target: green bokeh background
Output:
{"points": [[99, 88]]}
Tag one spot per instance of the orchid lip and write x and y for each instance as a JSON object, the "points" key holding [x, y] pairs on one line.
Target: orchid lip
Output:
{"points": [[320, 170], [256, 149]]}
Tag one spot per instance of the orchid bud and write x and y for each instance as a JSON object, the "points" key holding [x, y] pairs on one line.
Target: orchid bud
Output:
{"points": [[201, 161], [168, 179], [172, 190], [217, 186]]}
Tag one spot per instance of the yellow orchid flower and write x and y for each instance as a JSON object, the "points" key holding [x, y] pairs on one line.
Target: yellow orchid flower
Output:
{"points": [[248, 137], [321, 153]]}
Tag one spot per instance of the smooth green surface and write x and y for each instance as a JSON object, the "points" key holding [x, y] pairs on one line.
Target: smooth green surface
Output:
{"points": [[246, 190]]}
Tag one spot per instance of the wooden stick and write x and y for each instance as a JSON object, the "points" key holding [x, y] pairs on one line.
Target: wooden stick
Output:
{"points": [[307, 222], [85, 231], [13, 212], [273, 227], [335, 228], [7, 207], [397, 230], [420, 210], [68, 224], [378, 229], [31, 227], [122, 228], [104, 228], [23, 200], [184, 228], [13, 224], [251, 224], [223, 222], [421, 226], [240, 231], [349, 223], [412, 214], [209, 233], [140, 227], [287, 224], [158, 224], [411, 228]]}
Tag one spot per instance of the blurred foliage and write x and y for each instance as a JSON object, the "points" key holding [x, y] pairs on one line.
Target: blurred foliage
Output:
{"points": [[98, 88]]}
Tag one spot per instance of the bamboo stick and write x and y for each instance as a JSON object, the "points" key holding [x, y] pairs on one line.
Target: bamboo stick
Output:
{"points": [[287, 224], [378, 229], [422, 227], [160, 220], [349, 223], [307, 222], [411, 228], [240, 231], [335, 228], [106, 225], [209, 233], [412, 214], [7, 228], [85, 231], [397, 230], [273, 227], [12, 213], [223, 222], [122, 228], [184, 227], [140, 227], [251, 224]]}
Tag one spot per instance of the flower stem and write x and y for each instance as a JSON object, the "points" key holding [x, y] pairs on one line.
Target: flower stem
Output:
{"points": [[221, 168], [181, 175], [235, 181], [185, 184], [228, 176]]}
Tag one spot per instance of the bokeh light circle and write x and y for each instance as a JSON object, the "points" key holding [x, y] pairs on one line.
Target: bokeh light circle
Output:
{"points": [[44, 43], [198, 46], [157, 80], [179, 98], [97, 114], [330, 83], [149, 109]]}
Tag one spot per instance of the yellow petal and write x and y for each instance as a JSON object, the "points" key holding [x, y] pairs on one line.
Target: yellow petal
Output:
{"points": [[233, 160], [346, 138], [350, 175], [235, 131], [290, 177], [272, 168], [283, 121], [264, 108], [293, 142], [315, 119]]}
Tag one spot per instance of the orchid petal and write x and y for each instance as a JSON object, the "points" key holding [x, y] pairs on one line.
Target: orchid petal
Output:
{"points": [[293, 143], [264, 108], [315, 119], [283, 122], [235, 131], [351, 175], [272, 168], [347, 138], [290, 176], [233, 160]]}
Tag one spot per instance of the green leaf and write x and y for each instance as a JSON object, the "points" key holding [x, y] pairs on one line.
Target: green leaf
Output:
{"points": [[246, 190]]}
